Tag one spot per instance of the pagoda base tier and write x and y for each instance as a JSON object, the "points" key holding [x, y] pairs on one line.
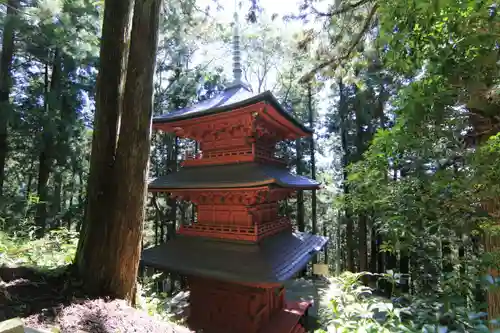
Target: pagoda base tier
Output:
{"points": [[221, 307]]}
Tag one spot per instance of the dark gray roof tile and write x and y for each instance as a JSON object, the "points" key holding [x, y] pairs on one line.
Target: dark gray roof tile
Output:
{"points": [[234, 97], [231, 176], [275, 259]]}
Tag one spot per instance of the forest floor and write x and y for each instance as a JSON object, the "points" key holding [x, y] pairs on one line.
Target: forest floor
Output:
{"points": [[51, 300]]}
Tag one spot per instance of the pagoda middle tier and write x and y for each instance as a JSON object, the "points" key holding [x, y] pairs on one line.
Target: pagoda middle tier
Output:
{"points": [[234, 201]]}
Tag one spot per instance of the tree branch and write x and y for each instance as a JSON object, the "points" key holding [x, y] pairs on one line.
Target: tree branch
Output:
{"points": [[341, 10], [337, 61]]}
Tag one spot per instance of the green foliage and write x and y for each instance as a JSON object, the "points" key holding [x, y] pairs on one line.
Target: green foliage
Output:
{"points": [[427, 176], [155, 303], [355, 308], [56, 249]]}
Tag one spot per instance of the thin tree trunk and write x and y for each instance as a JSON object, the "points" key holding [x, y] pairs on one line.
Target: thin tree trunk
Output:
{"points": [[338, 252], [46, 157], [82, 202], [373, 249], [56, 196], [492, 244], [345, 161], [362, 216], [71, 194], [163, 223], [391, 260], [172, 202], [29, 183], [314, 218], [363, 243], [157, 221], [7, 56], [404, 269], [381, 258], [193, 206], [325, 250], [300, 193]]}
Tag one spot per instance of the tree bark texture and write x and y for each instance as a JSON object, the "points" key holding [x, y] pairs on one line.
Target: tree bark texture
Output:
{"points": [[110, 244], [7, 56]]}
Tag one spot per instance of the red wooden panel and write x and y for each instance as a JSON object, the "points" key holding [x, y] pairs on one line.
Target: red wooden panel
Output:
{"points": [[227, 307]]}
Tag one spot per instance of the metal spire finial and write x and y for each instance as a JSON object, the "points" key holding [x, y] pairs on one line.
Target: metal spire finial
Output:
{"points": [[236, 48]]}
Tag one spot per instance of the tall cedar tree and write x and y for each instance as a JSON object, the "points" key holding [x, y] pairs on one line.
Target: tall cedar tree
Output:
{"points": [[7, 55], [109, 249]]}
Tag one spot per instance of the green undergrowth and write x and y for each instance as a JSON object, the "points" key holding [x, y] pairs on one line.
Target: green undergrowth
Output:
{"points": [[355, 308], [55, 250], [154, 302]]}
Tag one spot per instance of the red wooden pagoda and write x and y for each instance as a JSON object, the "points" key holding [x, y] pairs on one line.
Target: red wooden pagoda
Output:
{"points": [[239, 251]]}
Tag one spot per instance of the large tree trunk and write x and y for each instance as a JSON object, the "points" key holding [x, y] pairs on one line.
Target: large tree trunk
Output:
{"points": [[110, 244], [100, 194], [7, 56]]}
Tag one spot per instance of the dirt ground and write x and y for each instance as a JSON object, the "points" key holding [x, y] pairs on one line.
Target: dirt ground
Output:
{"points": [[50, 300]]}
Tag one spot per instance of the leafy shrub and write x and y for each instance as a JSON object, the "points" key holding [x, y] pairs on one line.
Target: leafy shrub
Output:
{"points": [[56, 249], [354, 308], [157, 303]]}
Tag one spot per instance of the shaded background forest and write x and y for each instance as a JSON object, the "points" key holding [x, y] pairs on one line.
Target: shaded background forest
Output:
{"points": [[403, 97]]}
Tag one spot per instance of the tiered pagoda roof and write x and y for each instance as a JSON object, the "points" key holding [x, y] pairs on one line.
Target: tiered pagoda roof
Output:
{"points": [[271, 261], [237, 96], [231, 176]]}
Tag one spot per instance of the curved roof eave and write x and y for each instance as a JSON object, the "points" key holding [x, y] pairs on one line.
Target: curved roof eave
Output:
{"points": [[266, 96]]}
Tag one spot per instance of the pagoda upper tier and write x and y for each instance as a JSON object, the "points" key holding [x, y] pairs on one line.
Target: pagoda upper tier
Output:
{"points": [[233, 127]]}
